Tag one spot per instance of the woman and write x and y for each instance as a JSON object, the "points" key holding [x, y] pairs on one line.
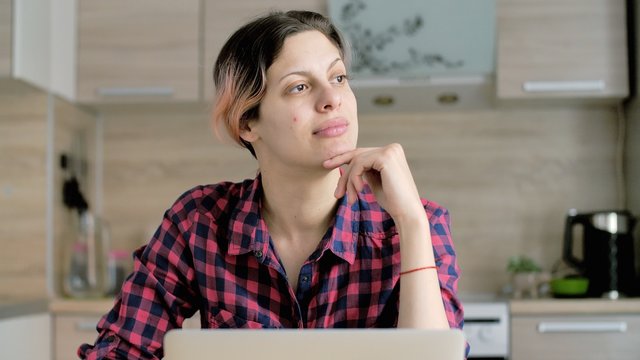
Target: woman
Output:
{"points": [[322, 237]]}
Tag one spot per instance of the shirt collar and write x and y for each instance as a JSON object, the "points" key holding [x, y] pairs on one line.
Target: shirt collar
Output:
{"points": [[248, 232], [342, 239]]}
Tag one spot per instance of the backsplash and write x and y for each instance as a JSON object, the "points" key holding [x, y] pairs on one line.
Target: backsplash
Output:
{"points": [[508, 176]]}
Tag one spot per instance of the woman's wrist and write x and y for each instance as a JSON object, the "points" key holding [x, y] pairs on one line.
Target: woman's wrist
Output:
{"points": [[416, 250], [411, 219]]}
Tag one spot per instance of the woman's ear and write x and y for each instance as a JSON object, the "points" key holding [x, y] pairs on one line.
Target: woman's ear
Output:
{"points": [[248, 133]]}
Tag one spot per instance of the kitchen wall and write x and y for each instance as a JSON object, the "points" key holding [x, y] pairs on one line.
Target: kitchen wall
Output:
{"points": [[22, 190], [507, 175]]}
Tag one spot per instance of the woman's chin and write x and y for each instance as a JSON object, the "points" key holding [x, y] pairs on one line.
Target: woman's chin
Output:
{"points": [[338, 150]]}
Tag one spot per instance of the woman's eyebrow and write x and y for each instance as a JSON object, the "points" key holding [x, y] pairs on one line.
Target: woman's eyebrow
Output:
{"points": [[304, 72]]}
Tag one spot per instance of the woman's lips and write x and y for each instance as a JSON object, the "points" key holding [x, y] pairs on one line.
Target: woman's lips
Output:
{"points": [[332, 128]]}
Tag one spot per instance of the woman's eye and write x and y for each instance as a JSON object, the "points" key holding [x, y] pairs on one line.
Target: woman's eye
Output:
{"points": [[341, 78], [298, 88]]}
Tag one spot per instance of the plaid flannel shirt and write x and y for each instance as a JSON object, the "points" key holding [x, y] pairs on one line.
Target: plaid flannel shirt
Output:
{"points": [[212, 253]]}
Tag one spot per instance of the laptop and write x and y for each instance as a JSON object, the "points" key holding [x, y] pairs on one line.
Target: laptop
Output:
{"points": [[314, 344]]}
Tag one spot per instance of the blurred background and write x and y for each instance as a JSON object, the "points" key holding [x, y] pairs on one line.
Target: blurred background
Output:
{"points": [[511, 113]]}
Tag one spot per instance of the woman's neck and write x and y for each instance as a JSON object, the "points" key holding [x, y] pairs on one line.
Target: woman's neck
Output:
{"points": [[300, 205]]}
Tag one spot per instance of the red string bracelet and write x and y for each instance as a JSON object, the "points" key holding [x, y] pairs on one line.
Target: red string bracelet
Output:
{"points": [[417, 269]]}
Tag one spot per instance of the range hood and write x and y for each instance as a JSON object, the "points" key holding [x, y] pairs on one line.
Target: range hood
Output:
{"points": [[419, 55]]}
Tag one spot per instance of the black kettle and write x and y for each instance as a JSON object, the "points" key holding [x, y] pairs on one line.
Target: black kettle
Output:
{"points": [[608, 251]]}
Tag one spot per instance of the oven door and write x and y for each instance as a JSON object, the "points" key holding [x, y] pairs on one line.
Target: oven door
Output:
{"points": [[486, 326]]}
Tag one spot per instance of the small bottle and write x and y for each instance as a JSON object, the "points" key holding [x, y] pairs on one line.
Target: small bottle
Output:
{"points": [[85, 264], [77, 282], [118, 268]]}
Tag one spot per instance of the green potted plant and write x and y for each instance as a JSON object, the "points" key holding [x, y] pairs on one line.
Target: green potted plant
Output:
{"points": [[525, 276]]}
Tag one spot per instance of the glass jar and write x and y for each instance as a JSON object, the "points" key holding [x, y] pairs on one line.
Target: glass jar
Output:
{"points": [[118, 268], [84, 274]]}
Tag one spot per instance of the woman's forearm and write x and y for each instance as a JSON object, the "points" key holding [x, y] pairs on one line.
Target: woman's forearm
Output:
{"points": [[421, 303]]}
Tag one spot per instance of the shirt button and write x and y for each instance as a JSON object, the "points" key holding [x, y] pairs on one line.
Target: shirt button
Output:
{"points": [[110, 338], [304, 278], [257, 253]]}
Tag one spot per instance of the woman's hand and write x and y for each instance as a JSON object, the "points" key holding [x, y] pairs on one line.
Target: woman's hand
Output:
{"points": [[386, 171]]}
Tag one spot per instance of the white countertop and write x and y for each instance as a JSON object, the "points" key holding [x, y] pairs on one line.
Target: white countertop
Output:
{"points": [[548, 306]]}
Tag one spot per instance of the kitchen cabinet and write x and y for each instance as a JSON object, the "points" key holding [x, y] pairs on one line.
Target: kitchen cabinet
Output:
{"points": [[74, 323], [222, 18], [5, 37], [562, 49], [97, 52], [70, 331], [145, 50], [575, 337]]}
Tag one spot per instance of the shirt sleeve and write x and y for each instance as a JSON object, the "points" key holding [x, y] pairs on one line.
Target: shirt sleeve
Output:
{"points": [[448, 268], [154, 299]]}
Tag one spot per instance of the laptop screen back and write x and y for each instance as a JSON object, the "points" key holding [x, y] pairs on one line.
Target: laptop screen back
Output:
{"points": [[314, 344]]}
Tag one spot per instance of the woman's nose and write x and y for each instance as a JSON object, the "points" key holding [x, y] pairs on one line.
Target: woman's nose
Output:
{"points": [[329, 99]]}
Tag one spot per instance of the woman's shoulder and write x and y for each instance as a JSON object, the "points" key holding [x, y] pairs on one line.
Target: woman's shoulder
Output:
{"points": [[433, 209], [210, 200]]}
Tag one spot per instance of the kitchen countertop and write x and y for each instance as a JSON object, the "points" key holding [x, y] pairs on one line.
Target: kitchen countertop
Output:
{"points": [[88, 306], [16, 307], [549, 306], [10, 308]]}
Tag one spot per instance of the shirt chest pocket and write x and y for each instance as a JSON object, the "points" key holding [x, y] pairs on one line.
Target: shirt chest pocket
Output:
{"points": [[223, 319]]}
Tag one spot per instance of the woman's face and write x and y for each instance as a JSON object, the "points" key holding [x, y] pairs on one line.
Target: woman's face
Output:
{"points": [[309, 113]]}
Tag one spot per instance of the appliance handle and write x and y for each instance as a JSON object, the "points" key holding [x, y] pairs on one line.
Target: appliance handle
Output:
{"points": [[86, 325], [567, 250], [547, 327]]}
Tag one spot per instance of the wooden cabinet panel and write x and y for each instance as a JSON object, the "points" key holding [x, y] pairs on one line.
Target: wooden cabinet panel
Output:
{"points": [[5, 38], [575, 337], [222, 18], [566, 42], [71, 331], [138, 50]]}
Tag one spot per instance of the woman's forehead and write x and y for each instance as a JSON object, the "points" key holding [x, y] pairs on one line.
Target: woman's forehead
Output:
{"points": [[305, 49]]}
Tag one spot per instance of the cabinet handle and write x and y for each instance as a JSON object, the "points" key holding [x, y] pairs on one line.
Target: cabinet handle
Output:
{"points": [[563, 86], [86, 325], [582, 327], [136, 91]]}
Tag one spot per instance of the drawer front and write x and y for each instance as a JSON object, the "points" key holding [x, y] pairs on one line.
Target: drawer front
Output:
{"points": [[70, 331], [575, 337]]}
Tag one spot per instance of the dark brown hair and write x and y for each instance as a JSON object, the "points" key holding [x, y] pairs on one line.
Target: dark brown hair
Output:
{"points": [[240, 71]]}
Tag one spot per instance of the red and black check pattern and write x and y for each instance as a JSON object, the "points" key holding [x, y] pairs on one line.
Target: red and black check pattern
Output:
{"points": [[212, 253]]}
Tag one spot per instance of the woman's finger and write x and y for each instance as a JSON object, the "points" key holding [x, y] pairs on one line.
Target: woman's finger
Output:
{"points": [[343, 158], [352, 195], [341, 187], [355, 175]]}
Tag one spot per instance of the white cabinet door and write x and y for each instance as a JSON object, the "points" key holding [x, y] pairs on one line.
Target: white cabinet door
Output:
{"points": [[5, 38], [26, 337]]}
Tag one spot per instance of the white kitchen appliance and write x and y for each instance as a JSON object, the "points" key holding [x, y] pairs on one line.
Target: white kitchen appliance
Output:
{"points": [[486, 327]]}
